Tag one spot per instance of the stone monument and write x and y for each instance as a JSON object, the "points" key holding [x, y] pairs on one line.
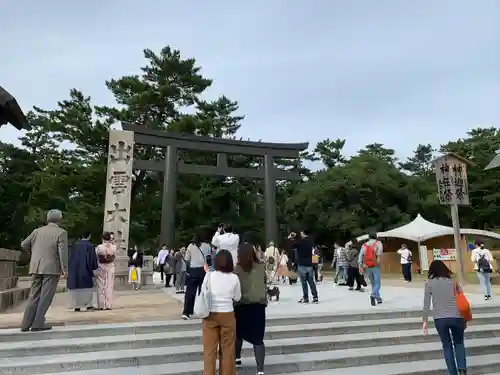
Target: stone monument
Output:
{"points": [[10, 294], [117, 203]]}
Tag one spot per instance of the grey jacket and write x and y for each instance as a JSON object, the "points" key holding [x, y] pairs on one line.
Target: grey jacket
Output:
{"points": [[180, 263], [352, 257], [49, 250]]}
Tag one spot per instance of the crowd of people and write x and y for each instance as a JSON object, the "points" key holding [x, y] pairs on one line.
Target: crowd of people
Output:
{"points": [[237, 275], [238, 281]]}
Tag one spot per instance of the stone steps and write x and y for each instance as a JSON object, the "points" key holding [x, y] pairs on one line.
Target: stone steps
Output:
{"points": [[383, 343], [282, 339], [478, 365], [275, 364]]}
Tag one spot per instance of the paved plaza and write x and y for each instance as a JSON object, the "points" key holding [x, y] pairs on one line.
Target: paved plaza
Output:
{"points": [[340, 299], [159, 304], [144, 305]]}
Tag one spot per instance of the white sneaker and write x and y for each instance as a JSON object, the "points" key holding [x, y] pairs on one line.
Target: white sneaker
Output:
{"points": [[185, 317]]}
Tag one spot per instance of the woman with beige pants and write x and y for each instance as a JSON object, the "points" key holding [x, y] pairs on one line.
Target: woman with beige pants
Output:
{"points": [[219, 328]]}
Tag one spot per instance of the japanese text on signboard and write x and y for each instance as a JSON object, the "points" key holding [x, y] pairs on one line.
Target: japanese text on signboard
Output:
{"points": [[452, 183]]}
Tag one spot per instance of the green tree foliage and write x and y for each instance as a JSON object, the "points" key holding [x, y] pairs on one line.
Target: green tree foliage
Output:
{"points": [[62, 164]]}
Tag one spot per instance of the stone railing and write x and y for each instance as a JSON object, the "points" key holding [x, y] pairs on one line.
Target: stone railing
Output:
{"points": [[10, 294], [147, 270]]}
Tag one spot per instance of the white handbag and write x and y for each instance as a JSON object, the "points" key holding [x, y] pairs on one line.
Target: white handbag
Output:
{"points": [[203, 301]]}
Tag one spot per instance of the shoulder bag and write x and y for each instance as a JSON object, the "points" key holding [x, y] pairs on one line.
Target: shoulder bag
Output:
{"points": [[203, 301], [463, 304]]}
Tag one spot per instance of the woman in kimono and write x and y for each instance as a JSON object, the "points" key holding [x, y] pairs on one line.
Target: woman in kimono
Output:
{"points": [[106, 253], [135, 268], [81, 267]]}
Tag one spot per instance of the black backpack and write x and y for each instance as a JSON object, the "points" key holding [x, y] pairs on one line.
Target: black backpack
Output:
{"points": [[483, 265]]}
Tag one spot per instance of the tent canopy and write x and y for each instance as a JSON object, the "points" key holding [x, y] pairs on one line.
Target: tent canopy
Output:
{"points": [[420, 230]]}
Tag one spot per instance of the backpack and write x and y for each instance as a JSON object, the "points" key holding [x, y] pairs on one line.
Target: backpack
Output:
{"points": [[409, 258], [483, 265], [370, 259]]}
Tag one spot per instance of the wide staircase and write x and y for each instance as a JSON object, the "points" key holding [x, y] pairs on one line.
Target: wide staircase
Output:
{"points": [[383, 343]]}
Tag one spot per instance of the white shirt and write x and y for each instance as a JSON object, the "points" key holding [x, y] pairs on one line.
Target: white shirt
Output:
{"points": [[227, 241], [162, 256], [272, 251], [283, 260], [225, 289], [405, 255], [478, 253]]}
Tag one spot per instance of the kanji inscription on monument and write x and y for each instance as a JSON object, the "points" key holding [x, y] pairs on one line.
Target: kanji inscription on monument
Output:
{"points": [[120, 152], [451, 178], [119, 182], [118, 194], [117, 214]]}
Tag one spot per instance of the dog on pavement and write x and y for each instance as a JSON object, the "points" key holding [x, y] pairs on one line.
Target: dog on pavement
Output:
{"points": [[273, 291]]}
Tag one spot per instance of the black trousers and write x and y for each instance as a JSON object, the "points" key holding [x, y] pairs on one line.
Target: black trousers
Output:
{"points": [[406, 268], [354, 275], [168, 277], [193, 287], [162, 271]]}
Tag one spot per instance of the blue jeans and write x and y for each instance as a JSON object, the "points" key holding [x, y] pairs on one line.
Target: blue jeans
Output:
{"points": [[341, 271], [306, 275], [451, 333], [373, 275], [485, 281]]}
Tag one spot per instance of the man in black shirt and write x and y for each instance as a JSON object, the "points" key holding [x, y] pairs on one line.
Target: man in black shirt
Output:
{"points": [[304, 251]]}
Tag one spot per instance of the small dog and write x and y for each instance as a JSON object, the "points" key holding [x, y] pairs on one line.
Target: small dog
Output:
{"points": [[273, 291]]}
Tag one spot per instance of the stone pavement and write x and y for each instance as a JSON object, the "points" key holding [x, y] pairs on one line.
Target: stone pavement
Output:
{"points": [[130, 306], [340, 299], [161, 304]]}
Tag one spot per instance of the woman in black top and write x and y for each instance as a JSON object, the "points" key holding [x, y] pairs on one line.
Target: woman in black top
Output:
{"points": [[135, 263]]}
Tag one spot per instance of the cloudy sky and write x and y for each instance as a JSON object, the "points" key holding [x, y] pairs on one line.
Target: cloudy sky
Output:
{"points": [[389, 71]]}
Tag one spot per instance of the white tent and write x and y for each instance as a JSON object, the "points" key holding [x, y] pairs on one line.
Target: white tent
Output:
{"points": [[420, 230]]}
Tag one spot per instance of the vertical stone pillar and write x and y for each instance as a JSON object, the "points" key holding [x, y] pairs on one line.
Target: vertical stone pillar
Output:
{"points": [[270, 199], [167, 232], [118, 194]]}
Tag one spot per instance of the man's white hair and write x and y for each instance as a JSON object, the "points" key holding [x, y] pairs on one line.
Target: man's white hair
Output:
{"points": [[54, 216]]}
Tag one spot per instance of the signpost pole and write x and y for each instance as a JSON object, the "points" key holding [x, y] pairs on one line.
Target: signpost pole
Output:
{"points": [[458, 247], [453, 189]]}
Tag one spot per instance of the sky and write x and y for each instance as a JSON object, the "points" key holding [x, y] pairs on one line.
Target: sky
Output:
{"points": [[394, 72]]}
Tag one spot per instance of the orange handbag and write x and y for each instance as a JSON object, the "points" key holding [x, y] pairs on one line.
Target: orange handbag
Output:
{"points": [[463, 304]]}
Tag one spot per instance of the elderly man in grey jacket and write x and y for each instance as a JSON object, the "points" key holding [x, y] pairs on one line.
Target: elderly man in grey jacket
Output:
{"points": [[49, 254]]}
